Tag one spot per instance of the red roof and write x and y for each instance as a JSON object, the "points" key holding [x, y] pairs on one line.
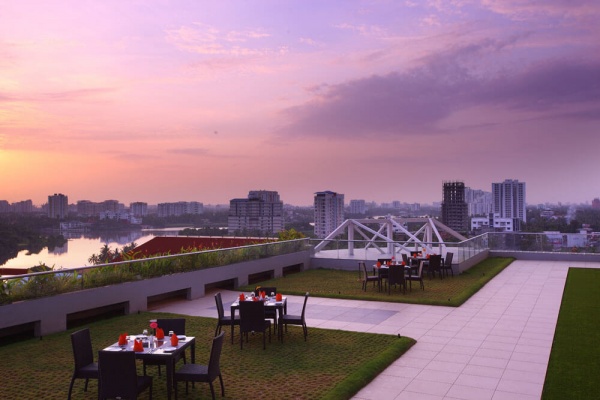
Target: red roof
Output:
{"points": [[161, 245]]}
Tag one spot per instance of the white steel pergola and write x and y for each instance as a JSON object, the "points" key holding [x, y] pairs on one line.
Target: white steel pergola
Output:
{"points": [[422, 238]]}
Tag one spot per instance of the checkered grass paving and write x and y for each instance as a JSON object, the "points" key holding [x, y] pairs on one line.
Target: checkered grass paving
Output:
{"points": [[330, 364]]}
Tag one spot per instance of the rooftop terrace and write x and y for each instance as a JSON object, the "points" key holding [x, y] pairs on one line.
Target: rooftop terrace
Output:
{"points": [[494, 346]]}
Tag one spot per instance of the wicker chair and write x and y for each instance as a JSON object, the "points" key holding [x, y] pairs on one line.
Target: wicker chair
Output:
{"points": [[224, 320], [203, 373], [118, 376], [83, 354], [252, 319], [300, 320]]}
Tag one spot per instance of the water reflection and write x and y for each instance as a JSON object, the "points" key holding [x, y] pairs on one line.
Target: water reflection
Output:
{"points": [[81, 245]]}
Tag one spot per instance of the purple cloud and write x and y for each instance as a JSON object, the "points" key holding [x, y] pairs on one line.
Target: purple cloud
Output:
{"points": [[404, 103]]}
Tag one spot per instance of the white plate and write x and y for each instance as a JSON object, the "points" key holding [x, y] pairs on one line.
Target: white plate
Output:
{"points": [[113, 349], [181, 337], [168, 349]]}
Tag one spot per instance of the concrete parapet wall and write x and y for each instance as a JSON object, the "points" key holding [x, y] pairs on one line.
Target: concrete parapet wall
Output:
{"points": [[49, 314]]}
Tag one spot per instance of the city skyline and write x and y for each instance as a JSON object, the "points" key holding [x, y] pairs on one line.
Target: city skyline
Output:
{"points": [[165, 101]]}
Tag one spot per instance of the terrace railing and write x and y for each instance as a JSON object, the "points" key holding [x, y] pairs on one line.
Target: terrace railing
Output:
{"points": [[42, 284]]}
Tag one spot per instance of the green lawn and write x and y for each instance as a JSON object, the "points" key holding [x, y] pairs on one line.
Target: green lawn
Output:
{"points": [[331, 364], [450, 291], [574, 365]]}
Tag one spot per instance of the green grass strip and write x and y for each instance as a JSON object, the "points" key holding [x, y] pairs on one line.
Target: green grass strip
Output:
{"points": [[450, 291], [574, 364], [330, 364]]}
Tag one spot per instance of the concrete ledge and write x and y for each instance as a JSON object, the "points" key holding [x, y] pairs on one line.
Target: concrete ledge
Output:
{"points": [[49, 314]]}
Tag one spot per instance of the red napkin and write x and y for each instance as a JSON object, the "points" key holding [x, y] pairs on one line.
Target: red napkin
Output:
{"points": [[263, 294], [242, 297], [403, 263], [255, 298], [123, 339], [174, 340], [278, 297], [378, 264], [160, 334], [428, 256], [138, 346]]}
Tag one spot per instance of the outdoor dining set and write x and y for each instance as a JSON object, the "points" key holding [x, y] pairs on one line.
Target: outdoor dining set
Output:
{"points": [[388, 272], [167, 343]]}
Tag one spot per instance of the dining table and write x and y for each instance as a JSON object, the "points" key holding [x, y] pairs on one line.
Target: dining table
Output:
{"points": [[270, 302], [162, 351], [383, 270]]}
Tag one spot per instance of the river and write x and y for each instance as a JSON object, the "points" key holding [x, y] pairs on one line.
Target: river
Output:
{"points": [[79, 248]]}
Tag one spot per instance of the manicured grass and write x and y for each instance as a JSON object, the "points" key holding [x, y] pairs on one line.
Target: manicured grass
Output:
{"points": [[450, 291], [330, 364], [574, 364]]}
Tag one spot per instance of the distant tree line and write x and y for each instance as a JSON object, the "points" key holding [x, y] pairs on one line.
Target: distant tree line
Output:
{"points": [[27, 232]]}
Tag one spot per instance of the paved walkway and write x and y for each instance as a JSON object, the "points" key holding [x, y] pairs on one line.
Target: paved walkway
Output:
{"points": [[495, 346]]}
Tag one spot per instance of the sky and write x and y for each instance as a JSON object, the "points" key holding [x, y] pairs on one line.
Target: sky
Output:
{"points": [[163, 101]]}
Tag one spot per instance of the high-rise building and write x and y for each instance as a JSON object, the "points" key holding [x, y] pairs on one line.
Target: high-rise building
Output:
{"points": [[479, 202], [261, 213], [86, 208], [58, 206], [23, 207], [358, 207], [329, 212], [596, 204], [509, 201], [180, 208], [138, 209], [455, 212]]}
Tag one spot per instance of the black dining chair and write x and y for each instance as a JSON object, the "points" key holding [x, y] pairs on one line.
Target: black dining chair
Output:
{"points": [[269, 313], [83, 355], [223, 319], [447, 264], [418, 277], [203, 373], [382, 273], [177, 325], [288, 319], [118, 376], [434, 266], [252, 319], [367, 278], [396, 277]]}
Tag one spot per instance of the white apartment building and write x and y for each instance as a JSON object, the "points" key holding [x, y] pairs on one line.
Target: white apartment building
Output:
{"points": [[138, 209], [180, 208], [329, 212], [478, 201], [358, 207], [509, 200], [58, 206], [260, 213], [493, 223]]}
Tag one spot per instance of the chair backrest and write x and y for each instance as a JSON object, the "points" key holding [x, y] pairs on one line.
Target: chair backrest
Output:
{"points": [[118, 374], [214, 363], [81, 342], [177, 325], [364, 267], [448, 259], [435, 261], [304, 306], [219, 301], [395, 275], [252, 316], [420, 272], [405, 258], [267, 289]]}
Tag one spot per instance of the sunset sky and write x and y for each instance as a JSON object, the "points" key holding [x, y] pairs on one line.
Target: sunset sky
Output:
{"points": [[162, 101]]}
